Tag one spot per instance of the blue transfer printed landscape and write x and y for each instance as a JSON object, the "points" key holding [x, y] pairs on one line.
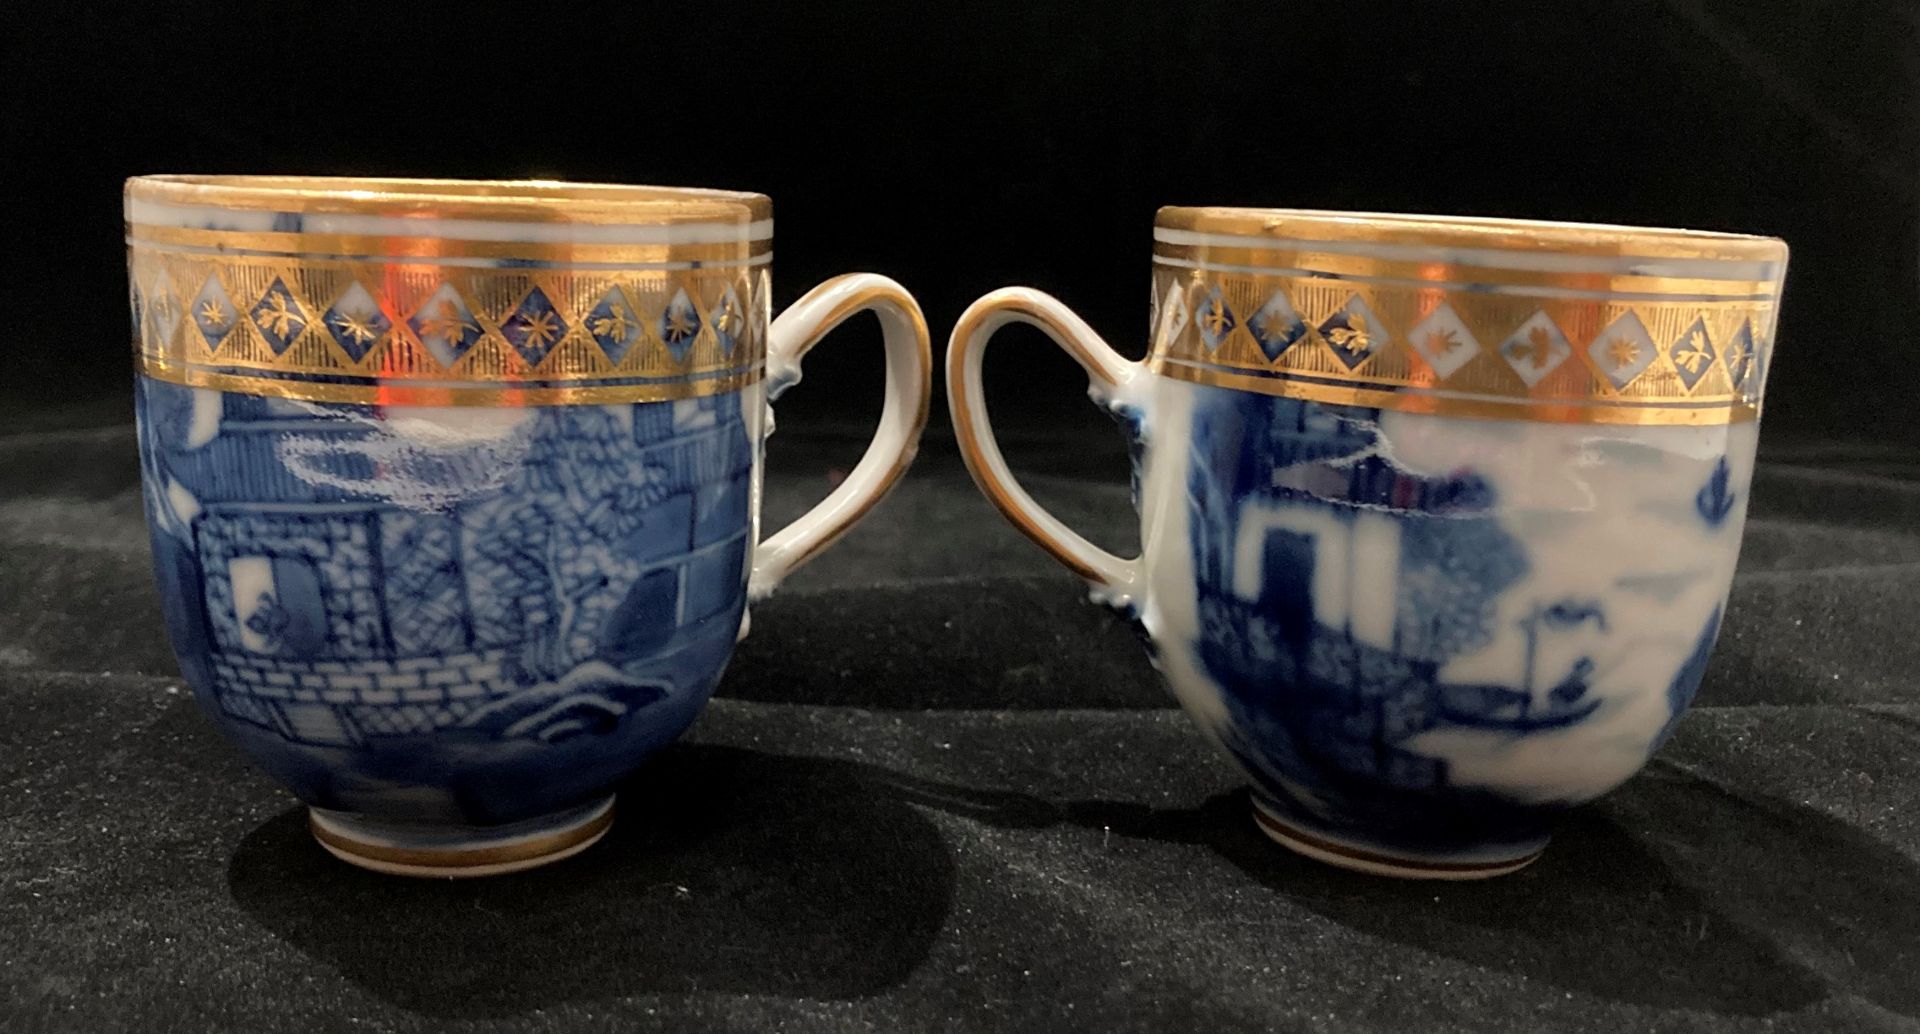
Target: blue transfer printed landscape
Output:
{"points": [[474, 627], [1715, 499], [1331, 681], [1686, 682]]}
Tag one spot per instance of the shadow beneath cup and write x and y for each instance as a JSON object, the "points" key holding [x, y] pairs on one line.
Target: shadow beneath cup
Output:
{"points": [[1674, 893], [815, 878], [726, 870]]}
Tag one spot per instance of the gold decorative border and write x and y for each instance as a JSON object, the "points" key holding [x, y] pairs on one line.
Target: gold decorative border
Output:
{"points": [[1513, 235], [404, 394], [1205, 319], [438, 249], [277, 323], [541, 201], [1457, 271], [1454, 405]]}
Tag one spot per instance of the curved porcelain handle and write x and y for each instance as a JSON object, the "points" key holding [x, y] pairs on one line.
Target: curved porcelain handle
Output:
{"points": [[1114, 580], [902, 416]]}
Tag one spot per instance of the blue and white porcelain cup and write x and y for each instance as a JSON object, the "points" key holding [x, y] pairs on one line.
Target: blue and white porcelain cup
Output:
{"points": [[453, 487], [1438, 516]]}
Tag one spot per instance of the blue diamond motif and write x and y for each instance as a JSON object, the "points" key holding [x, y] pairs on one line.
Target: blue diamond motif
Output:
{"points": [[1693, 354], [445, 325], [1353, 332], [356, 322], [1742, 359], [1276, 326], [613, 324], [679, 325], [213, 313], [279, 316], [1215, 320], [729, 321], [534, 327]]}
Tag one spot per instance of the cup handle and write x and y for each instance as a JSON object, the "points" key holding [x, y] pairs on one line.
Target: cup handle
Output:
{"points": [[903, 414], [1111, 382]]}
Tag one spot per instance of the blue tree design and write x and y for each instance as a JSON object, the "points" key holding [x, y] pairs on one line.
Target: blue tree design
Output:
{"points": [[1452, 571], [1715, 500], [581, 486], [1686, 681]]}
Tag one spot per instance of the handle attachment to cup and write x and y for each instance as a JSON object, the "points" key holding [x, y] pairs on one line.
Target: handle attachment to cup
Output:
{"points": [[903, 414], [1110, 383]]}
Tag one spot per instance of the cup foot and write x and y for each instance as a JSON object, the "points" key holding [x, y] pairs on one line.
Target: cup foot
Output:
{"points": [[1320, 847], [456, 851]]}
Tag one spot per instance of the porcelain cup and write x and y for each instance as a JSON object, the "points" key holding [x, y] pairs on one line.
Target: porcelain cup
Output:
{"points": [[1438, 516], [453, 487]]}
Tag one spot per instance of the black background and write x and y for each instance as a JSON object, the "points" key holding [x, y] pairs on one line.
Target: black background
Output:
{"points": [[962, 147], [936, 789]]}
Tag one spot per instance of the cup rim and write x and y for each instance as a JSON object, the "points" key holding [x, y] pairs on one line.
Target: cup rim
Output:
{"points": [[529, 200], [1490, 232]]}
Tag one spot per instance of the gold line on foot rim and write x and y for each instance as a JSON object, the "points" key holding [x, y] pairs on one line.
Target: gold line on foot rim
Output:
{"points": [[487, 860], [1378, 863]]}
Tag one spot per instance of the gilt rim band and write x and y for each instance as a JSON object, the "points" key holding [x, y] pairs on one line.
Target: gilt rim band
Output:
{"points": [[447, 293], [1502, 319]]}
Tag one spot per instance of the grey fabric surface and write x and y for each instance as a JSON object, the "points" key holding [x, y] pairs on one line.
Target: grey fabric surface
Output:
{"points": [[940, 792]]}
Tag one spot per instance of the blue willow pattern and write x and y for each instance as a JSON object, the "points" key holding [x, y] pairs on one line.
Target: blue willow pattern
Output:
{"points": [[368, 608], [1438, 515], [1326, 715]]}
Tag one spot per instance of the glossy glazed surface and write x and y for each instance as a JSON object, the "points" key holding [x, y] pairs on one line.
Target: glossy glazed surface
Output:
{"points": [[459, 615], [1426, 634], [1439, 515], [453, 486]]}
